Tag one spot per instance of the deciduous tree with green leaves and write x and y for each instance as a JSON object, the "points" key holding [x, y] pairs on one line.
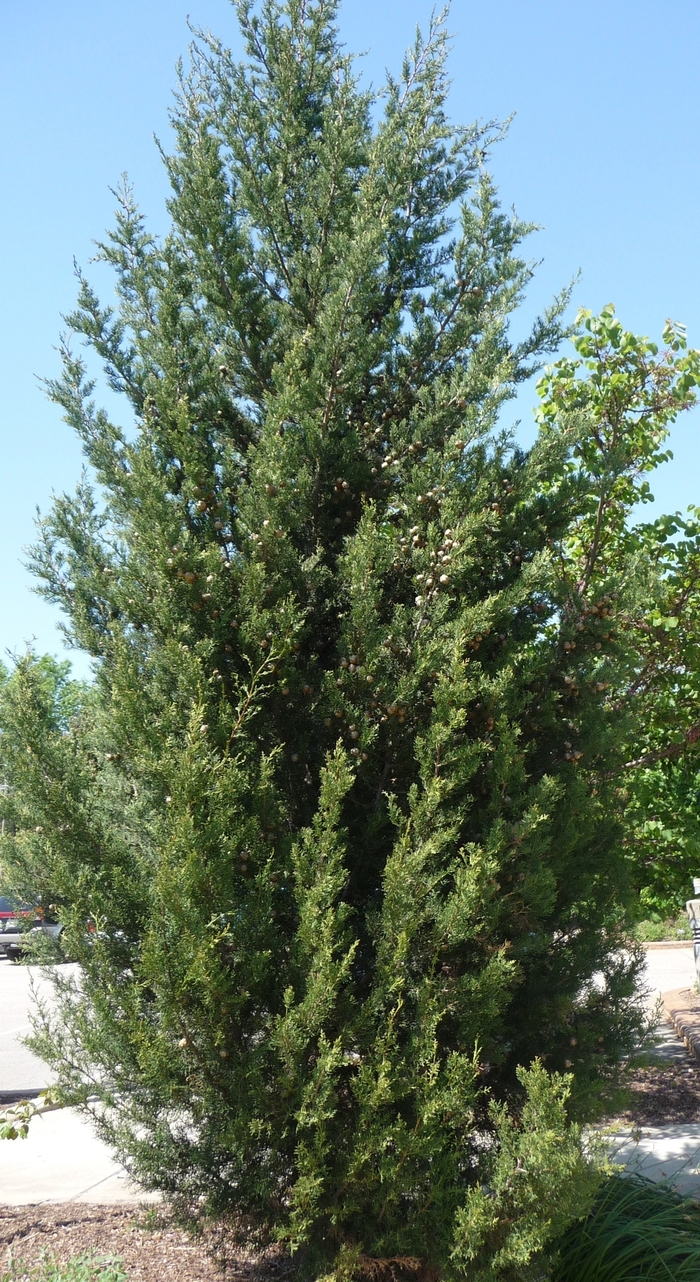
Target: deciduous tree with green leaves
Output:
{"points": [[339, 837], [663, 768], [630, 397]]}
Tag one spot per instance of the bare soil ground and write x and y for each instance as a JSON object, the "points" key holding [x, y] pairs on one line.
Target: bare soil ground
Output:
{"points": [[150, 1246]]}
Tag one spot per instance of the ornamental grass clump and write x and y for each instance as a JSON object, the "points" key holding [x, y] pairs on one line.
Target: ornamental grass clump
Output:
{"points": [[336, 837], [636, 1232]]}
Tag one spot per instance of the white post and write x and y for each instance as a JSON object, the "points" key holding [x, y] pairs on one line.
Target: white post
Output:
{"points": [[692, 908]]}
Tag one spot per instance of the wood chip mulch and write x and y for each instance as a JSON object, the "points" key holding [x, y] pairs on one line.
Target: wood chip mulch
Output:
{"points": [[664, 1093], [151, 1247]]}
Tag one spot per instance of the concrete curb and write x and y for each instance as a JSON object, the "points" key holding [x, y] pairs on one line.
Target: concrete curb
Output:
{"points": [[669, 943], [682, 1010]]}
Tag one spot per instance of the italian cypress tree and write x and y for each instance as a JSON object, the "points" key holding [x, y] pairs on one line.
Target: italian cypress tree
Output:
{"points": [[336, 839]]}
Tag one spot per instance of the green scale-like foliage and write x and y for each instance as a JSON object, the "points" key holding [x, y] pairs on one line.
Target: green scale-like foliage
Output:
{"points": [[336, 836]]}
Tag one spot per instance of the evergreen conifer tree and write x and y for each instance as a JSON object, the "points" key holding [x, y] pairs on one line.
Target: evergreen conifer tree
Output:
{"points": [[337, 838]]}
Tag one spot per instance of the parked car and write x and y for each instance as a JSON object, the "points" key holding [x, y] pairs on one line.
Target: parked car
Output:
{"points": [[18, 921]]}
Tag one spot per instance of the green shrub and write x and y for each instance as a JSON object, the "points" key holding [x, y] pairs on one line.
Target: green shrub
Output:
{"points": [[42, 949], [657, 929], [637, 1231]]}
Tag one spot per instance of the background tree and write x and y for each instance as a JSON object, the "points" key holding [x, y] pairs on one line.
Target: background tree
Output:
{"points": [[630, 399], [345, 808], [663, 766], [62, 699]]}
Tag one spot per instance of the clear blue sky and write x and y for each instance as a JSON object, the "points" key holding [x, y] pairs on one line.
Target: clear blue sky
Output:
{"points": [[603, 153]]}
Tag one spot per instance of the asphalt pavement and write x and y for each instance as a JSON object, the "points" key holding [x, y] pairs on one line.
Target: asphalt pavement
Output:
{"points": [[668, 968], [20, 1070]]}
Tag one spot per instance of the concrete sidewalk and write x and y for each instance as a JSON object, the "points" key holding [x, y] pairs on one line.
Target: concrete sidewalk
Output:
{"points": [[662, 1153], [62, 1160]]}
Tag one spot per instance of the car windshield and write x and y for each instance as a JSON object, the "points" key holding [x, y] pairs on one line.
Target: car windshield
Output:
{"points": [[12, 906]]}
